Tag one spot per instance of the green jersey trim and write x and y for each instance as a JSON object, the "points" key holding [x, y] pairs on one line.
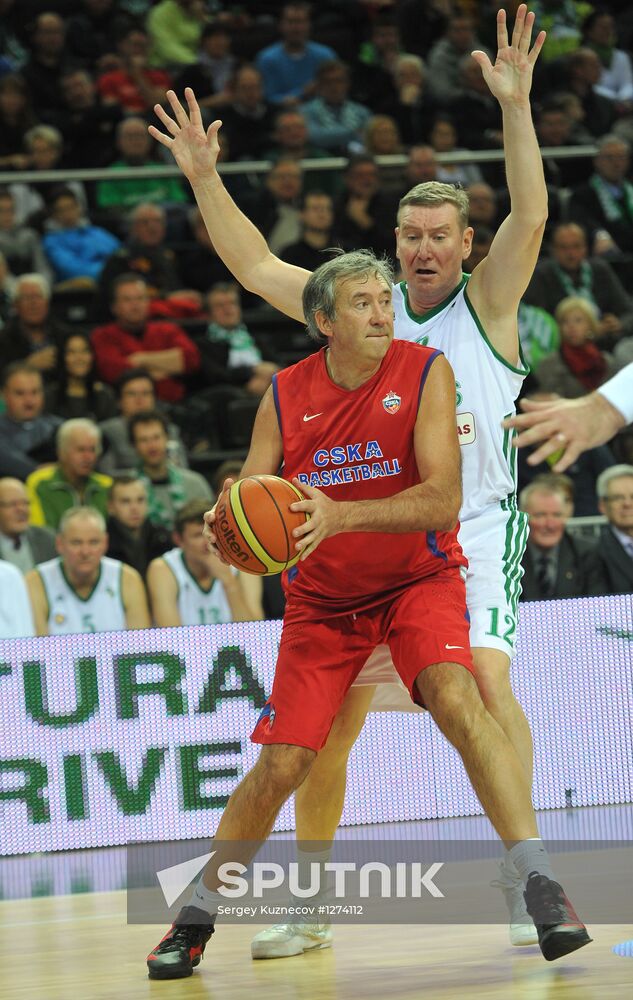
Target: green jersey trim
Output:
{"points": [[190, 574], [515, 541], [525, 370], [436, 309], [84, 600]]}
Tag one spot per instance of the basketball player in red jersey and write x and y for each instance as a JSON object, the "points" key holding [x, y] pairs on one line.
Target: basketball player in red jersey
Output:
{"points": [[380, 439]]}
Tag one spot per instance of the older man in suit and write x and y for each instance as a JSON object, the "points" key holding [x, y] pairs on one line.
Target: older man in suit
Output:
{"points": [[556, 564], [22, 544], [615, 552]]}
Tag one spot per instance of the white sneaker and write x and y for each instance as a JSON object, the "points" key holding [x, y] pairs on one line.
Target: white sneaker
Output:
{"points": [[286, 940], [522, 929]]}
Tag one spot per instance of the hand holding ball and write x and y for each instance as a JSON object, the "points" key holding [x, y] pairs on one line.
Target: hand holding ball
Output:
{"points": [[254, 524]]}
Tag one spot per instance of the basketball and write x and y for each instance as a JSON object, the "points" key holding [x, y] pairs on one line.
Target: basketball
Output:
{"points": [[254, 524]]}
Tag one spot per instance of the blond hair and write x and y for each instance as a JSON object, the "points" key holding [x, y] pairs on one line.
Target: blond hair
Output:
{"points": [[432, 194], [565, 306]]}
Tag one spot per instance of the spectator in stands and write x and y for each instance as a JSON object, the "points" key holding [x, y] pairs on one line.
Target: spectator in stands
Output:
{"points": [[579, 366], [382, 136], [135, 149], [16, 616], [291, 142], [12, 35], [229, 353], [412, 105], [422, 22], [483, 206], [45, 149], [275, 211], [444, 59], [136, 341], [72, 480], [563, 24], [211, 76], [477, 115], [175, 28], [289, 66], [317, 219], [247, 118], [136, 394], [616, 77], [584, 70], [76, 392], [82, 590], [16, 118], [169, 487], [146, 254], [87, 122], [132, 538], [32, 334], [21, 543], [46, 64], [363, 214], [335, 123], [615, 549], [20, 245], [555, 564], [199, 260], [421, 166], [75, 248], [91, 31], [134, 86], [605, 202], [555, 127], [373, 72], [443, 139], [7, 291], [569, 271], [189, 585]]}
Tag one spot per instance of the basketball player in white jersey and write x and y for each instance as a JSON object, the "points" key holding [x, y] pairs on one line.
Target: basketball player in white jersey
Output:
{"points": [[189, 586], [82, 590], [475, 324]]}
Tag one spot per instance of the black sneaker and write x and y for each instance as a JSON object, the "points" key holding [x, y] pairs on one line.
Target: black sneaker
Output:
{"points": [[182, 947], [558, 927]]}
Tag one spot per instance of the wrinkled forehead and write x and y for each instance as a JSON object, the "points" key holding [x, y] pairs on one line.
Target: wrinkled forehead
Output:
{"points": [[427, 217], [372, 282]]}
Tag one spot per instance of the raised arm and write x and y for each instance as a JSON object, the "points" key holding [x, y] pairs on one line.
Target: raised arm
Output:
{"points": [[433, 505], [237, 241], [500, 280]]}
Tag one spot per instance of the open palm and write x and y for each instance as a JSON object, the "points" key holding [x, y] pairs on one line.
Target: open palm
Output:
{"points": [[510, 79], [195, 151]]}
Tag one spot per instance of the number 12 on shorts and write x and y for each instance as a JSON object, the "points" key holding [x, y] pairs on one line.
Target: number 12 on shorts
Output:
{"points": [[509, 626]]}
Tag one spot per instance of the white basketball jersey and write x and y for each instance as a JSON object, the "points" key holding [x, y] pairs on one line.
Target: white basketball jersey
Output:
{"points": [[195, 605], [487, 387], [68, 613]]}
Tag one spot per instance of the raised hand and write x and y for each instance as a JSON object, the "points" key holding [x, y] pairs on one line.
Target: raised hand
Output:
{"points": [[510, 79], [194, 150]]}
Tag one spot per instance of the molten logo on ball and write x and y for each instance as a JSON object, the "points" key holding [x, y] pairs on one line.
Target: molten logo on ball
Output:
{"points": [[229, 538]]}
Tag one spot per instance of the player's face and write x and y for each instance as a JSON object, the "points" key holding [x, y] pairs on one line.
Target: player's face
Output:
{"points": [[128, 504], [82, 546], [431, 246], [547, 519], [362, 329], [194, 544], [618, 503]]}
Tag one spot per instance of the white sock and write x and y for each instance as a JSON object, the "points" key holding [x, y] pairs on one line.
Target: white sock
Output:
{"points": [[205, 899], [530, 856]]}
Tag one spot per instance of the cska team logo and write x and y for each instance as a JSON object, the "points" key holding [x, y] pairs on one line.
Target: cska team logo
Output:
{"points": [[391, 402]]}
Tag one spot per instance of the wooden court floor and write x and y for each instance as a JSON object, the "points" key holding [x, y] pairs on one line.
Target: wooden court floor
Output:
{"points": [[80, 948]]}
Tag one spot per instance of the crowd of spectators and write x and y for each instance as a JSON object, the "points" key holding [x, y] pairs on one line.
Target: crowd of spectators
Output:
{"points": [[131, 365]]}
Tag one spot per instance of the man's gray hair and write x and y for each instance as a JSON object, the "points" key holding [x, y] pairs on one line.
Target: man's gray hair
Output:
{"points": [[68, 428], [81, 513], [319, 294], [611, 139], [613, 472], [33, 278], [553, 489], [432, 194]]}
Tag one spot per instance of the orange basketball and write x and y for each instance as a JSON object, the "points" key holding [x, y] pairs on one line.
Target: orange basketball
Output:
{"points": [[254, 524]]}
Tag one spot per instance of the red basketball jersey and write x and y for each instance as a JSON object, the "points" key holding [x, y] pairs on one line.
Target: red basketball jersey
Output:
{"points": [[358, 445]]}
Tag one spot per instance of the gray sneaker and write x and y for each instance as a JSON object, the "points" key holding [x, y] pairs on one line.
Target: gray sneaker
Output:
{"points": [[522, 929]]}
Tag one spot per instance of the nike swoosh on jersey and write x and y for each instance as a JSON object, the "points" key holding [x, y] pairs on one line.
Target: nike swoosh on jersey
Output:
{"points": [[452, 647], [311, 417]]}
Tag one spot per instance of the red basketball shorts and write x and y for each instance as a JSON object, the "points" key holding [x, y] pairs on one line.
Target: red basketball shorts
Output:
{"points": [[320, 659]]}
